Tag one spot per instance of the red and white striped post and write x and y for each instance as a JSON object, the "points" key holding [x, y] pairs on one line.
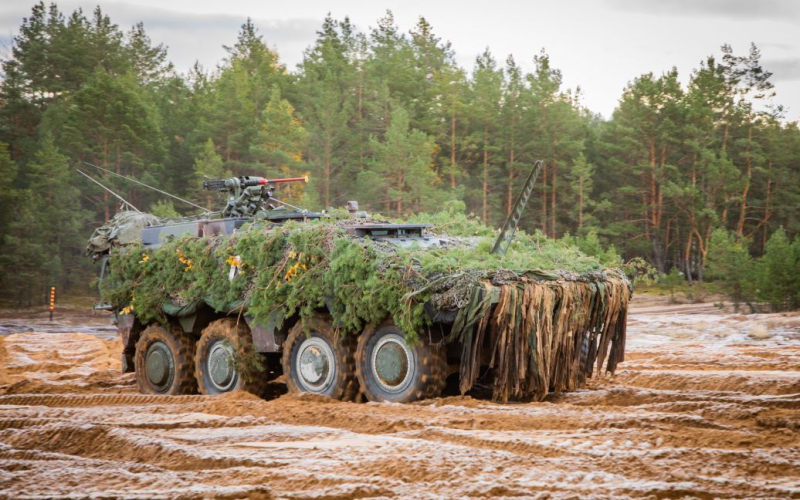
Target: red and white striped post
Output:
{"points": [[52, 301]]}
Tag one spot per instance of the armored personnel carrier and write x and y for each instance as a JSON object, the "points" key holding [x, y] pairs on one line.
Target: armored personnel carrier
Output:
{"points": [[353, 307]]}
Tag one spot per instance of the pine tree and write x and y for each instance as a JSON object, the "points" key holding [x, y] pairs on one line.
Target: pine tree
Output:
{"points": [[729, 262], [556, 132], [401, 178], [9, 197], [111, 123], [330, 99], [240, 94], [44, 241], [582, 182], [281, 142], [207, 165], [486, 97], [777, 273]]}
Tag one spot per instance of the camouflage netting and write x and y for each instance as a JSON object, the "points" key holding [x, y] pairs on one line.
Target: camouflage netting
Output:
{"points": [[529, 325], [537, 329], [125, 228]]}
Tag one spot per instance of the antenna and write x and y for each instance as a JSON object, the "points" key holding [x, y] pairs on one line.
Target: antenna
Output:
{"points": [[287, 204], [120, 198], [145, 185], [510, 227]]}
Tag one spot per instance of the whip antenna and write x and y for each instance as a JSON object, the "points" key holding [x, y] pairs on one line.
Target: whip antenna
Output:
{"points": [[149, 187], [120, 198]]}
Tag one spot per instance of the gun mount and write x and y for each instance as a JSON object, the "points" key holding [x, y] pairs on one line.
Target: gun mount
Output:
{"points": [[248, 196]]}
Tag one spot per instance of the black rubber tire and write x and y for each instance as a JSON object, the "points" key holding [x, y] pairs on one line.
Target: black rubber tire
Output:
{"points": [[429, 364], [180, 346], [238, 334], [344, 385]]}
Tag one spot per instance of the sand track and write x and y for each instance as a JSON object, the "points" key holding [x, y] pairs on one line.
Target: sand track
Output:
{"points": [[706, 405]]}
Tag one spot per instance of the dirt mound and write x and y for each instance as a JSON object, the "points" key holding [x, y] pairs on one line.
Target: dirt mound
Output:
{"points": [[123, 445], [3, 362], [701, 408]]}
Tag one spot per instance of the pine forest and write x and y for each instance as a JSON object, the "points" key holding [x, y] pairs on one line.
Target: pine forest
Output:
{"points": [[701, 179]]}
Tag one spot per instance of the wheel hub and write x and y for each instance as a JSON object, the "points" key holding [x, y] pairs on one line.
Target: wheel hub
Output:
{"points": [[221, 369], [315, 365], [392, 363], [159, 366]]}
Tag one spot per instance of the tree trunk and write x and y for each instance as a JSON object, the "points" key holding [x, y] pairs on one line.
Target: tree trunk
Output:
{"points": [[767, 208], [453, 149], [400, 183], [360, 121], [485, 208], [553, 203], [687, 257], [544, 198], [580, 203], [748, 176], [105, 191], [327, 187], [655, 239], [510, 192]]}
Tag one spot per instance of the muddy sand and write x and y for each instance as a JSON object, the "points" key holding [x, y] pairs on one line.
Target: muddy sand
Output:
{"points": [[707, 404]]}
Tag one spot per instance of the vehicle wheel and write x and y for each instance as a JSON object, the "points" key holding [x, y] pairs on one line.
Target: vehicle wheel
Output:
{"points": [[321, 362], [165, 361], [391, 370], [224, 351]]}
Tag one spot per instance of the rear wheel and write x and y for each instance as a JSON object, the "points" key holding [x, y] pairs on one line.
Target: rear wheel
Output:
{"points": [[321, 362], [226, 360], [391, 370], [165, 361]]}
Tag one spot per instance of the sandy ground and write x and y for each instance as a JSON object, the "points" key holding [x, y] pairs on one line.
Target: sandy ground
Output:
{"points": [[706, 405]]}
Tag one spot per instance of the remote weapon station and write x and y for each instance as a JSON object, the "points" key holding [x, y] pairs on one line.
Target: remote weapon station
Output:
{"points": [[346, 306]]}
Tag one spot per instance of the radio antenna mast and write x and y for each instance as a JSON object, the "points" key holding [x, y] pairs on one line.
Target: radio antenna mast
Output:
{"points": [[149, 187], [120, 198]]}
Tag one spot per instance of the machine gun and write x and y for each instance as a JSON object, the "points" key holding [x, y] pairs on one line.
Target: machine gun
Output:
{"points": [[248, 196]]}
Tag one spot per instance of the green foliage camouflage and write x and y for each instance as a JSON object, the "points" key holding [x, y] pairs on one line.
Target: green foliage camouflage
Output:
{"points": [[297, 266]]}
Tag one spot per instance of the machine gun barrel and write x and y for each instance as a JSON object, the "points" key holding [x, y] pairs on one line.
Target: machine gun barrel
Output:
{"points": [[262, 182], [214, 185], [289, 179]]}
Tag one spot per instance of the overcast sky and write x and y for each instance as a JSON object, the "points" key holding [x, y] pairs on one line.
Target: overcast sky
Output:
{"points": [[599, 45]]}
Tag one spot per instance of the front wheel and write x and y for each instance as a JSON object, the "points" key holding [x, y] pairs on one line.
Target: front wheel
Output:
{"points": [[389, 369], [320, 362], [226, 360], [164, 361]]}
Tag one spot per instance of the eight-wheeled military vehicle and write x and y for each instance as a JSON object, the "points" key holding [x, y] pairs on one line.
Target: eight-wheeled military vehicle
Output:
{"points": [[263, 295]]}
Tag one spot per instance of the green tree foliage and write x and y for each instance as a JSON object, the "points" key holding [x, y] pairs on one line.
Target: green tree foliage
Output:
{"points": [[779, 272], [239, 96], [729, 262], [388, 117], [331, 100], [401, 178], [280, 143], [773, 279], [164, 209], [581, 177], [9, 196], [207, 165], [48, 209]]}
